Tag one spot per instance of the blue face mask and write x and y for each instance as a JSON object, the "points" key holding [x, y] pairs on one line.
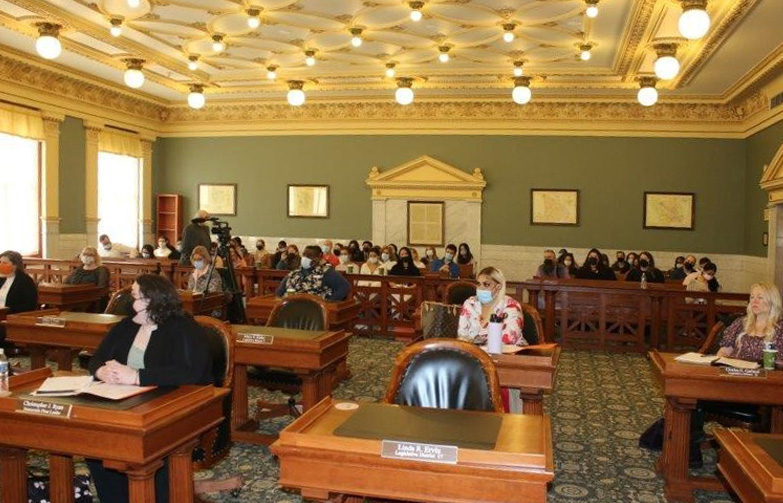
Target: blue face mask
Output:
{"points": [[325, 248], [306, 263], [199, 264], [449, 257], [484, 296]]}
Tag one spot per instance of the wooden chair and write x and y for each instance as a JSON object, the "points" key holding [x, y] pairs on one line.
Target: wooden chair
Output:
{"points": [[533, 327], [121, 303], [458, 292], [445, 374], [302, 311], [216, 443]]}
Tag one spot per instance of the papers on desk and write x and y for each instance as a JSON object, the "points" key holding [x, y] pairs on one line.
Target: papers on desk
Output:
{"points": [[72, 386], [508, 349], [701, 359]]}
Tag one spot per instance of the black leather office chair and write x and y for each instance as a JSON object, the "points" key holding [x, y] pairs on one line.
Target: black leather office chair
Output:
{"points": [[121, 303], [445, 374], [532, 328], [458, 292]]}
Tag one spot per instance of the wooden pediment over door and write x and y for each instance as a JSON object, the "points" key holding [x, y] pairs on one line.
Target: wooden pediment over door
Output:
{"points": [[772, 179], [426, 178]]}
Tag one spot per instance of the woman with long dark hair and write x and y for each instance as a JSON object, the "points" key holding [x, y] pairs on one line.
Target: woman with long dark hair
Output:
{"points": [[594, 268]]}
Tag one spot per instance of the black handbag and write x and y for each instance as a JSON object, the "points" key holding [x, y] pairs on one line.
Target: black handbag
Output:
{"points": [[38, 487]]}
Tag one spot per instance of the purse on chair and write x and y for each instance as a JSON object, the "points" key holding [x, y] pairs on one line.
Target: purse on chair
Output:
{"points": [[439, 320]]}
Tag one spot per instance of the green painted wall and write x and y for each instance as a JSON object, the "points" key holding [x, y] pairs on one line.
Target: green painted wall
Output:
{"points": [[761, 148], [72, 176], [611, 173]]}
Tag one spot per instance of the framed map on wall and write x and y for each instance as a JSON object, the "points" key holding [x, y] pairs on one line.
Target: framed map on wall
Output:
{"points": [[554, 207], [218, 198], [425, 223], [308, 201], [669, 210]]}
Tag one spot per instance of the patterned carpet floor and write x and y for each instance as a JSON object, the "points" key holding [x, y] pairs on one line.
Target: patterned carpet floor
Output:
{"points": [[601, 404]]}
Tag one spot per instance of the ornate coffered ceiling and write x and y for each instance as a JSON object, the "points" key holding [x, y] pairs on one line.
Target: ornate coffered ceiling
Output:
{"points": [[548, 36]]}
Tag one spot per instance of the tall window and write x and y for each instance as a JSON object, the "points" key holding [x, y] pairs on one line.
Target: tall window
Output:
{"points": [[118, 198], [20, 196]]}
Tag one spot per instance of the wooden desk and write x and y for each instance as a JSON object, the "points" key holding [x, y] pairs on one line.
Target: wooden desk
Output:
{"points": [[749, 469], [3, 313], [314, 356], [69, 297], [683, 385], [81, 331], [532, 372], [323, 465], [134, 441], [200, 304], [341, 315]]}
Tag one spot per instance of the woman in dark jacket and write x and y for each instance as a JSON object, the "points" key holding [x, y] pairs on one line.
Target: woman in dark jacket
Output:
{"points": [[404, 266], [647, 269], [594, 268], [160, 345], [18, 292]]}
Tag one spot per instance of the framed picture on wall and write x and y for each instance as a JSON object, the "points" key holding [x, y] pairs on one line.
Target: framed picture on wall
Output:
{"points": [[554, 207], [218, 198], [426, 223], [308, 201], [669, 210]]}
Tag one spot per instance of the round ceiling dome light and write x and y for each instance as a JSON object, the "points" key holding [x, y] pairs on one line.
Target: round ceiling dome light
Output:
{"points": [[116, 27], [522, 93], [390, 72], [666, 65], [586, 52], [48, 44], [193, 62], [518, 68], [134, 77], [310, 57], [694, 21], [416, 14], [296, 96], [444, 57], [508, 32], [404, 94], [592, 9], [356, 38], [196, 99], [271, 72], [647, 95], [218, 45], [253, 19]]}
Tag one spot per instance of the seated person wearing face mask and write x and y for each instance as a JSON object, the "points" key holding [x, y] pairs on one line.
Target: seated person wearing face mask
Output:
{"points": [[430, 254], [261, 258], [197, 282], [570, 264], [388, 259], [620, 265], [647, 269], [328, 256], [678, 265], [593, 268], [147, 251], [316, 277], [91, 272], [346, 264], [491, 299], [447, 263], [115, 250], [404, 266], [366, 247], [688, 267], [17, 290], [703, 281], [418, 263], [551, 268], [160, 345], [289, 259]]}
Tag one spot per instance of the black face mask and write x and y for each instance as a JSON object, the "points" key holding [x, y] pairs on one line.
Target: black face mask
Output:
{"points": [[259, 247], [644, 264], [688, 266], [406, 261], [592, 261], [620, 260]]}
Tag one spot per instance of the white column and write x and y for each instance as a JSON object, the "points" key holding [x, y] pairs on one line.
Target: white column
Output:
{"points": [[145, 215], [379, 222], [50, 185], [92, 134]]}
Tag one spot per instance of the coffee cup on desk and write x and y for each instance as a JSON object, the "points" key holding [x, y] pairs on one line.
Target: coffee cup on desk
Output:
{"points": [[770, 355], [350, 269]]}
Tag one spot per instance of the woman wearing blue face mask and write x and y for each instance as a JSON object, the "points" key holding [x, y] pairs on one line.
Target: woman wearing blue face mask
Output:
{"points": [[197, 282], [491, 299]]}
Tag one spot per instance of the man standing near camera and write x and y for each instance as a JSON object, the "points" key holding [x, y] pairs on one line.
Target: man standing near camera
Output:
{"points": [[196, 234]]}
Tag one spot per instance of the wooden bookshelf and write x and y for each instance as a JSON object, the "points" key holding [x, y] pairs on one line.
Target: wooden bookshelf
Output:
{"points": [[169, 217]]}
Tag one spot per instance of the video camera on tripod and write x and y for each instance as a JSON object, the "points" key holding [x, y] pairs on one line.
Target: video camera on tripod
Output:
{"points": [[220, 229], [236, 308]]}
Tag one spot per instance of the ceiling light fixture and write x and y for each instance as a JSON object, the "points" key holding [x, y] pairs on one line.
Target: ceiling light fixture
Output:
{"points": [[508, 33], [522, 93], [47, 44], [134, 77], [310, 57], [592, 9], [444, 54], [253, 21], [416, 7], [356, 39], [647, 95], [404, 94], [666, 65], [694, 21], [271, 72], [218, 45], [192, 62], [116, 26], [134, 4], [586, 53], [196, 99], [518, 71], [390, 69], [296, 96]]}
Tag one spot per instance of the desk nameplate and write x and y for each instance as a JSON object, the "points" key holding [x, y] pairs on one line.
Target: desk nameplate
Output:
{"points": [[42, 408], [51, 321], [734, 372], [256, 338], [413, 451]]}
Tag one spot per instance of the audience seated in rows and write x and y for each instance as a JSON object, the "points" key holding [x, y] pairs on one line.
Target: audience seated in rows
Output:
{"points": [[315, 276]]}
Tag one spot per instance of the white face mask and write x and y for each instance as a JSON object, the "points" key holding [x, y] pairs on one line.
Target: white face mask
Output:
{"points": [[140, 305], [344, 259], [430, 253], [373, 260], [385, 257]]}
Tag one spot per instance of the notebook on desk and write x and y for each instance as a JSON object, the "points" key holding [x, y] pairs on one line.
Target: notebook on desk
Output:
{"points": [[77, 385], [700, 359]]}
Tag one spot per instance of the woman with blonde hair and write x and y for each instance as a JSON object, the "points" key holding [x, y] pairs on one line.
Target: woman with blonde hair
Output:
{"points": [[91, 272], [491, 299], [197, 282], [746, 337]]}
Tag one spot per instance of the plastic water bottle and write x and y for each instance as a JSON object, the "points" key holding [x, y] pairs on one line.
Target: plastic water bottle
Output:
{"points": [[4, 372], [644, 282]]}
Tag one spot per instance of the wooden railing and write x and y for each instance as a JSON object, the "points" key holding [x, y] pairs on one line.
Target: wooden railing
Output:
{"points": [[606, 315]]}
